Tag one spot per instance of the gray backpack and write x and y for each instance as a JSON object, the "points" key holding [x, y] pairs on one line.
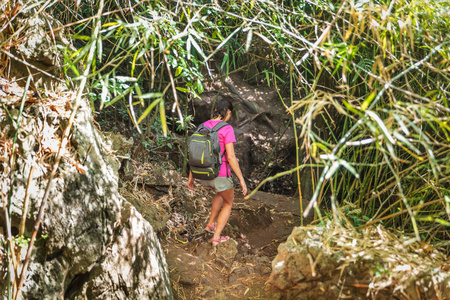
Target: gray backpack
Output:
{"points": [[205, 158]]}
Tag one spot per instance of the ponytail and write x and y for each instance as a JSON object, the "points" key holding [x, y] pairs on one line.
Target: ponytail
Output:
{"points": [[222, 108]]}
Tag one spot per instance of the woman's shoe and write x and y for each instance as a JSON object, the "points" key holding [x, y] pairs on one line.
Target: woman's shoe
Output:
{"points": [[220, 240], [210, 228]]}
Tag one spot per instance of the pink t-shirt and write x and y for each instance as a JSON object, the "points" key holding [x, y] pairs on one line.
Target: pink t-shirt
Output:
{"points": [[226, 136]]}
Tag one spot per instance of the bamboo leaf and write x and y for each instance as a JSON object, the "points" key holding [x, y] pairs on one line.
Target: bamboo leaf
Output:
{"points": [[223, 43], [178, 71], [368, 100], [99, 47], [162, 113], [81, 53], [267, 77], [381, 125], [351, 108], [199, 50], [188, 47], [334, 167], [442, 222], [130, 108], [403, 140], [80, 37], [104, 82], [148, 110], [348, 33], [110, 24], [150, 95], [126, 78], [249, 40], [137, 88], [316, 145], [120, 96], [133, 64], [349, 167], [182, 89]]}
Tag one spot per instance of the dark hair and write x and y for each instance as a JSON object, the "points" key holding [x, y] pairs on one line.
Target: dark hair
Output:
{"points": [[222, 108]]}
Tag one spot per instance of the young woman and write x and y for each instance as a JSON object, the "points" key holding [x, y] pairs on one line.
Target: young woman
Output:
{"points": [[223, 184]]}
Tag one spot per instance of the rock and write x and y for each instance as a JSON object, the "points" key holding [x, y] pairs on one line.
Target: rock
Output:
{"points": [[119, 144], [315, 262], [145, 204], [263, 265], [39, 48], [216, 294], [225, 253], [445, 287], [153, 176], [192, 271], [204, 251], [187, 268], [161, 177], [237, 274], [97, 243], [136, 272], [128, 171], [84, 254]]}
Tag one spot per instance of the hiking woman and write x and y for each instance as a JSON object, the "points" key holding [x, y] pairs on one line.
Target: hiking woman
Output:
{"points": [[223, 184]]}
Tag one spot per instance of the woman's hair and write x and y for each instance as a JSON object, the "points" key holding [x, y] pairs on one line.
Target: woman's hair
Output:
{"points": [[222, 108]]}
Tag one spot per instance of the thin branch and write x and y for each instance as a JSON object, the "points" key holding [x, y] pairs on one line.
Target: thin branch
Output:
{"points": [[61, 149], [343, 140], [30, 65]]}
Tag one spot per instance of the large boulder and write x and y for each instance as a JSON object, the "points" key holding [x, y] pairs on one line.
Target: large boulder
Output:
{"points": [[91, 242], [137, 272], [90, 230], [332, 262]]}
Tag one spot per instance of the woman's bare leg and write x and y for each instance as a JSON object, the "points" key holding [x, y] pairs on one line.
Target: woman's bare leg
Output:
{"points": [[215, 208], [227, 198]]}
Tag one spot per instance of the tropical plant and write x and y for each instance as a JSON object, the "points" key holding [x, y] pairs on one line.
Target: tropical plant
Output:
{"points": [[366, 81]]}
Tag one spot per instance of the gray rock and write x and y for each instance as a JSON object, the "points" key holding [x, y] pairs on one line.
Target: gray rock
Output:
{"points": [[134, 267], [326, 262], [98, 245], [119, 144], [225, 253]]}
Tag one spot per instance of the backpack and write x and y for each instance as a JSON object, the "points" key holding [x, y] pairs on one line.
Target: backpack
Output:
{"points": [[205, 158]]}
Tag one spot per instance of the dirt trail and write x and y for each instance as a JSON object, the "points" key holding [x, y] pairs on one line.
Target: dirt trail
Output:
{"points": [[237, 269]]}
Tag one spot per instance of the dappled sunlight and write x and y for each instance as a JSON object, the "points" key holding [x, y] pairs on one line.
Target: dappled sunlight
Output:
{"points": [[341, 116]]}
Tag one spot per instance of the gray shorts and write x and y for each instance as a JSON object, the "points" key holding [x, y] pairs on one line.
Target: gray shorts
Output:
{"points": [[219, 184]]}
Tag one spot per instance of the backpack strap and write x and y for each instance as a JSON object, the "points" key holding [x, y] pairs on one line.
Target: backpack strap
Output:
{"points": [[219, 126], [216, 128], [202, 125]]}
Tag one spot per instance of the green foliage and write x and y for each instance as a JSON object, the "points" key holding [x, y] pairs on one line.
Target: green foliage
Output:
{"points": [[374, 72], [22, 241], [158, 141], [380, 271], [391, 132]]}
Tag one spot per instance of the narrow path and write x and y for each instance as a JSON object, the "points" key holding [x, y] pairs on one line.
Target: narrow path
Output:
{"points": [[239, 268]]}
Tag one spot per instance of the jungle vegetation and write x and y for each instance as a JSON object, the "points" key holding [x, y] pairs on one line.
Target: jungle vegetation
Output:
{"points": [[375, 72]]}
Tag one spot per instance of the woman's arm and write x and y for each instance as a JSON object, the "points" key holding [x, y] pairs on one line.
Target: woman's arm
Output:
{"points": [[235, 166]]}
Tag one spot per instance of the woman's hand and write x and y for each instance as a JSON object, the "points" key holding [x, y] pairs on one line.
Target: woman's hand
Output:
{"points": [[235, 166], [244, 187], [191, 180]]}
